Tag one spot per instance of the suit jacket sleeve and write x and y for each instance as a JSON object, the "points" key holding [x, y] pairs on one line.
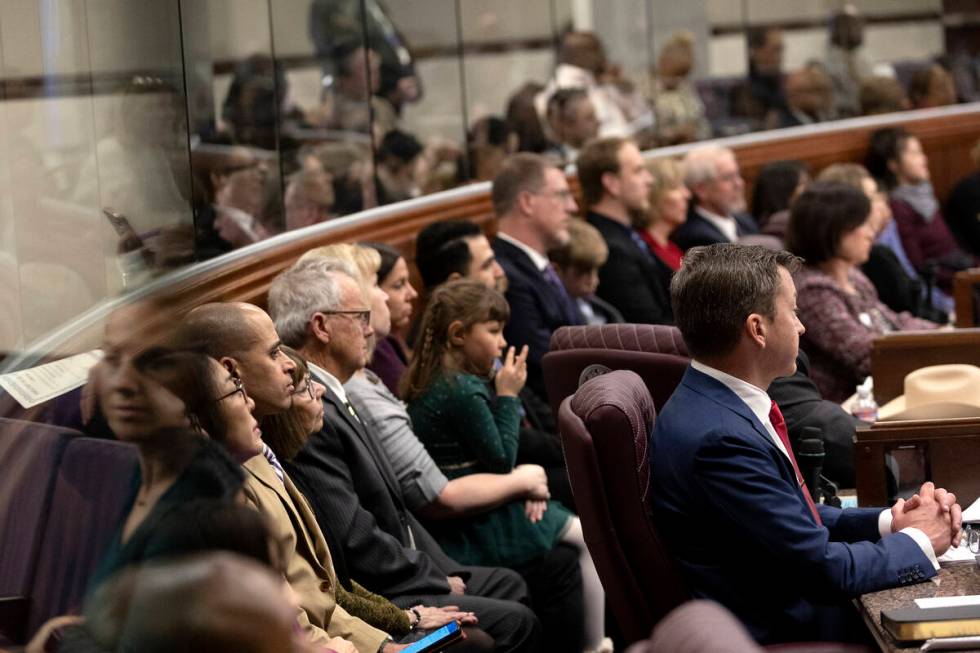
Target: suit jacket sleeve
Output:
{"points": [[527, 325], [624, 283], [377, 559], [738, 475]]}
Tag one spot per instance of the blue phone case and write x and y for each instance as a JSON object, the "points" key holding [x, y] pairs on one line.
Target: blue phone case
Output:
{"points": [[450, 630]]}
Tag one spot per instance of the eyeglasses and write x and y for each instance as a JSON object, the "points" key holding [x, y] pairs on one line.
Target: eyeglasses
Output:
{"points": [[306, 388], [563, 195], [239, 387], [364, 317]]}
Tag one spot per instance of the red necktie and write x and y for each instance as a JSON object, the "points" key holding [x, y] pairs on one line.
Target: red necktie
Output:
{"points": [[779, 425]]}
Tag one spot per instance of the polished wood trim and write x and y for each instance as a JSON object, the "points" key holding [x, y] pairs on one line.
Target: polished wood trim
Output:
{"points": [[963, 295], [896, 354], [951, 448]]}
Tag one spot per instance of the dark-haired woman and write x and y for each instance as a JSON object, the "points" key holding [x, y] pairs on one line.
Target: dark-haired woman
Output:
{"points": [[837, 304], [779, 183], [390, 358], [176, 463]]}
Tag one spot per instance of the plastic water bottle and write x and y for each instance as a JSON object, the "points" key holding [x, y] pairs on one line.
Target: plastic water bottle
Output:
{"points": [[865, 407]]}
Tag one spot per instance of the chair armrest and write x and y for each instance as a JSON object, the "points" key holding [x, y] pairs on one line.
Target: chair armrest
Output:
{"points": [[13, 619]]}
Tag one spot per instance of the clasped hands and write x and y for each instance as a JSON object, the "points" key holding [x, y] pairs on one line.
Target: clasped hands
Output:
{"points": [[933, 511]]}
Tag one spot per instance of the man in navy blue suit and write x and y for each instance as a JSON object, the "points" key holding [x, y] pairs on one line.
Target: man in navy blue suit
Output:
{"points": [[726, 491], [533, 205], [717, 214]]}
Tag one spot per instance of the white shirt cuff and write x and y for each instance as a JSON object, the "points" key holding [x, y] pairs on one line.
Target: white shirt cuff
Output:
{"points": [[885, 522], [920, 538]]}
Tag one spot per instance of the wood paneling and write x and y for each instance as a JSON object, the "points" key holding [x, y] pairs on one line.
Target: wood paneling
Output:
{"points": [[896, 354], [950, 449]]}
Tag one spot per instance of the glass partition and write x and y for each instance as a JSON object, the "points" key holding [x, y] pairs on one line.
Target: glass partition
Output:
{"points": [[137, 138]]}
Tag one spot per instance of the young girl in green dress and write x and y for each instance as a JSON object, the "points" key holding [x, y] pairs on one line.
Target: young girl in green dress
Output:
{"points": [[471, 425]]}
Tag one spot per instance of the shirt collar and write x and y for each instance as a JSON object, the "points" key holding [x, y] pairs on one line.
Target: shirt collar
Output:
{"points": [[540, 260], [725, 223], [755, 398], [332, 382]]}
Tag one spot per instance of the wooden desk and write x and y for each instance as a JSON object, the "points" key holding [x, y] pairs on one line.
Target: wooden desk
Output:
{"points": [[951, 581], [951, 449]]}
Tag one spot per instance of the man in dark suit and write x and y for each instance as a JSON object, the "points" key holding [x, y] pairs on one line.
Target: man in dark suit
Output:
{"points": [[320, 309], [722, 469], [533, 206], [717, 214], [616, 190], [802, 406]]}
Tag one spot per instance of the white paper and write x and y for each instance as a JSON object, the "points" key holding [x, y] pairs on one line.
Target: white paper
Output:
{"points": [[948, 601], [39, 384], [972, 514], [951, 644]]}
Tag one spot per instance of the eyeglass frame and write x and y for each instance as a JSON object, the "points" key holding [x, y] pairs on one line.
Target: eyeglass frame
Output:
{"points": [[308, 389], [239, 387], [364, 316]]}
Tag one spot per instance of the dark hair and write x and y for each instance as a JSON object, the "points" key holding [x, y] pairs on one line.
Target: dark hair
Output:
{"points": [[561, 99], [718, 287], [389, 257], [886, 145], [469, 302], [522, 172], [188, 375], [823, 214], [441, 250], [523, 117], [284, 432], [757, 35], [774, 187], [202, 525], [398, 146], [597, 158]]}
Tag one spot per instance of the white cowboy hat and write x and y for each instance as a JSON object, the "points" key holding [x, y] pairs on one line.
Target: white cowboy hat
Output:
{"points": [[937, 392]]}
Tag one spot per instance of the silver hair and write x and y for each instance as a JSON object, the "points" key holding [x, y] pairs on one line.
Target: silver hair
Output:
{"points": [[701, 164], [302, 290]]}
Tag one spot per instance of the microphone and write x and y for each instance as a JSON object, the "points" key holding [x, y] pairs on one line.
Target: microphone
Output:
{"points": [[809, 455]]}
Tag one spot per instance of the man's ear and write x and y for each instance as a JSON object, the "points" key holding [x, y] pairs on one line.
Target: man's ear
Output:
{"points": [[456, 333], [524, 199], [610, 183], [320, 328], [757, 329], [453, 276], [231, 365]]}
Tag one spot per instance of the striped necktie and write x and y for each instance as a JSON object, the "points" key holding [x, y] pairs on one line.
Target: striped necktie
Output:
{"points": [[276, 465]]}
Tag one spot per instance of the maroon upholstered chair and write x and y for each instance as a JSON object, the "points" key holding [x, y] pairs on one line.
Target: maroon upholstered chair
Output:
{"points": [[656, 352], [94, 482], [604, 430], [29, 457]]}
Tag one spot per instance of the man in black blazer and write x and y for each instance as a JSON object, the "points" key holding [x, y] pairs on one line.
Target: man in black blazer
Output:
{"points": [[717, 214], [350, 483], [533, 205], [616, 189]]}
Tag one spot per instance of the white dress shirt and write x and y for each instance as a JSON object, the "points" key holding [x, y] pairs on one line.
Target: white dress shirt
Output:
{"points": [[760, 404], [726, 224], [540, 260]]}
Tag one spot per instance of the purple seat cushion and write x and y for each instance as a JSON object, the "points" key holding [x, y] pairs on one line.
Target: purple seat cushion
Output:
{"points": [[29, 457], [93, 484], [649, 338]]}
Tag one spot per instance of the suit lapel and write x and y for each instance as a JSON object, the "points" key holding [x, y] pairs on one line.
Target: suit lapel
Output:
{"points": [[380, 462], [300, 513], [725, 397], [561, 304]]}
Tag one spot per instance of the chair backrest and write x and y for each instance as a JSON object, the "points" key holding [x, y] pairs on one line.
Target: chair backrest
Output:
{"points": [[656, 352], [29, 457], [604, 430], [93, 484]]}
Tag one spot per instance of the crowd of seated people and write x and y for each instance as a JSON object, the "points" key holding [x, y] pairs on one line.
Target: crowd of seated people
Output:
{"points": [[358, 130], [410, 477]]}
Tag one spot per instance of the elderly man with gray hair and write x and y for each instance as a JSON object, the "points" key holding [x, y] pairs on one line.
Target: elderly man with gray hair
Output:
{"points": [[717, 214], [320, 308]]}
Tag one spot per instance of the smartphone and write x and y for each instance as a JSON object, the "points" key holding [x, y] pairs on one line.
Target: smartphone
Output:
{"points": [[437, 640]]}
